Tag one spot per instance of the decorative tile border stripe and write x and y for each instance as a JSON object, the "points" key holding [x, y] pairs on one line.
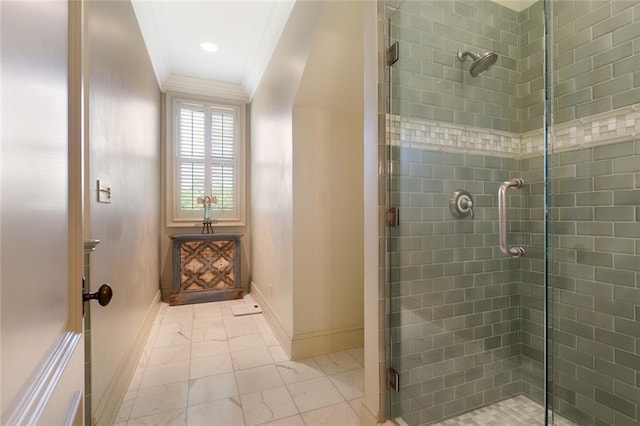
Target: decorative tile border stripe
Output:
{"points": [[601, 129], [532, 142], [614, 126], [418, 133]]}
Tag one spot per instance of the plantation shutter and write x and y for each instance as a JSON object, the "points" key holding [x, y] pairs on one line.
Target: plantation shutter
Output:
{"points": [[223, 147], [207, 159], [191, 152]]}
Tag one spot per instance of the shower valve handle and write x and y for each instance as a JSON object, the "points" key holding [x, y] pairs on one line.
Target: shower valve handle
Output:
{"points": [[461, 204]]}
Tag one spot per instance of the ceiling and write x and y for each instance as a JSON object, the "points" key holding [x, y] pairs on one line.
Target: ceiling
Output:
{"points": [[245, 31]]}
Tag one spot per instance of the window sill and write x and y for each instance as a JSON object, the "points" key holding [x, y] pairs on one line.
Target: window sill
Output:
{"points": [[195, 224]]}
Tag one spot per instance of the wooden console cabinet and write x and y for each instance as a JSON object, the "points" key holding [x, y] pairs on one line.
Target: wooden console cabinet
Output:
{"points": [[206, 268]]}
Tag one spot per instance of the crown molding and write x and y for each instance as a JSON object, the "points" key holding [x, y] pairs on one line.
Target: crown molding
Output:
{"points": [[203, 87], [264, 49], [147, 15], [151, 15]]}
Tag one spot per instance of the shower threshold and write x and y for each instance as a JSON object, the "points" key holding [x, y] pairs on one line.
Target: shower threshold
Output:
{"points": [[515, 411]]}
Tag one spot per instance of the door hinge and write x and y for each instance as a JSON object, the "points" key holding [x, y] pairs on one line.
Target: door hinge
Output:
{"points": [[393, 53], [393, 216], [393, 379]]}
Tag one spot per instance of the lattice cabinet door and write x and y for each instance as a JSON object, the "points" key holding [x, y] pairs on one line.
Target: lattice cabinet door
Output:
{"points": [[206, 268]]}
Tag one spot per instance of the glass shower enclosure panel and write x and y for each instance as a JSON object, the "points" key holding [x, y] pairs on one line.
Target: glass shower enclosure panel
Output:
{"points": [[465, 104], [595, 218]]}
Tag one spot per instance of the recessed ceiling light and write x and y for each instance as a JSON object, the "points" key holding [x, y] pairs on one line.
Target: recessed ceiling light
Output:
{"points": [[208, 47]]}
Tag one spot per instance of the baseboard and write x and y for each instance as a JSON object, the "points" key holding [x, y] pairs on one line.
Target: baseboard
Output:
{"points": [[308, 344], [272, 319], [107, 408], [322, 342], [368, 415]]}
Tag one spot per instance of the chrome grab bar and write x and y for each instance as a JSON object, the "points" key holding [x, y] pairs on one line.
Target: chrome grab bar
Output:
{"points": [[502, 217]]}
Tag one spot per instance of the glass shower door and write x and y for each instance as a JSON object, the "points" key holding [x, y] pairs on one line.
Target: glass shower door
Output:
{"points": [[466, 323], [595, 218]]}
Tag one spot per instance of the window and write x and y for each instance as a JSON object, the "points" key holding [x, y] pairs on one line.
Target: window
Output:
{"points": [[205, 158]]}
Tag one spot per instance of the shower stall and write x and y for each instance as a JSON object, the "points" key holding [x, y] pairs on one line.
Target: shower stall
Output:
{"points": [[513, 195]]}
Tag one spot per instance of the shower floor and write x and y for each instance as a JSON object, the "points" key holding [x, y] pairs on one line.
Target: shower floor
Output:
{"points": [[518, 410]]}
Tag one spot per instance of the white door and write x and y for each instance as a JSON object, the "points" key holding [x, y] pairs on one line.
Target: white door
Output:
{"points": [[41, 213]]}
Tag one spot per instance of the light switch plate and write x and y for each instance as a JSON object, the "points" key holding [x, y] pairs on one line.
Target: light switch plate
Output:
{"points": [[104, 191]]}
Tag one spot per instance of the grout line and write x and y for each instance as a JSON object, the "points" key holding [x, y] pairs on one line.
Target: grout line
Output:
{"points": [[185, 321]]}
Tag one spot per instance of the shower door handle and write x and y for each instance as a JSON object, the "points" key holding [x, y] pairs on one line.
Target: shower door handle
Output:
{"points": [[502, 217]]}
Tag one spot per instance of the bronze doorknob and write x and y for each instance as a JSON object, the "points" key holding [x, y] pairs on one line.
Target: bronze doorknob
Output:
{"points": [[103, 295]]}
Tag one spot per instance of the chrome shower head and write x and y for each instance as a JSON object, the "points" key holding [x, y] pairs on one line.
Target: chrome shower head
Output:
{"points": [[481, 63]]}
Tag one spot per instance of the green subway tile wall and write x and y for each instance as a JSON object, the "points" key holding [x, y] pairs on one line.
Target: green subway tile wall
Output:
{"points": [[455, 301], [597, 296], [532, 268], [596, 61], [429, 82], [594, 218], [467, 321]]}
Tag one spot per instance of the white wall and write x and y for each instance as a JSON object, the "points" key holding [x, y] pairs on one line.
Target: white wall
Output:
{"points": [[327, 187], [124, 149], [271, 156], [307, 181], [328, 240]]}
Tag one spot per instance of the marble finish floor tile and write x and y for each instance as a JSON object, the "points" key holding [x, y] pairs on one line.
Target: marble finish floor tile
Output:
{"points": [[337, 415], [267, 405], [165, 374], [251, 358], [210, 366], [169, 354], [337, 362], [172, 339], [212, 388], [124, 412], [204, 366], [289, 421], [350, 383], [167, 418], [246, 342], [299, 371], [209, 348], [278, 354], [258, 378], [208, 332], [225, 412], [158, 399], [313, 394]]}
